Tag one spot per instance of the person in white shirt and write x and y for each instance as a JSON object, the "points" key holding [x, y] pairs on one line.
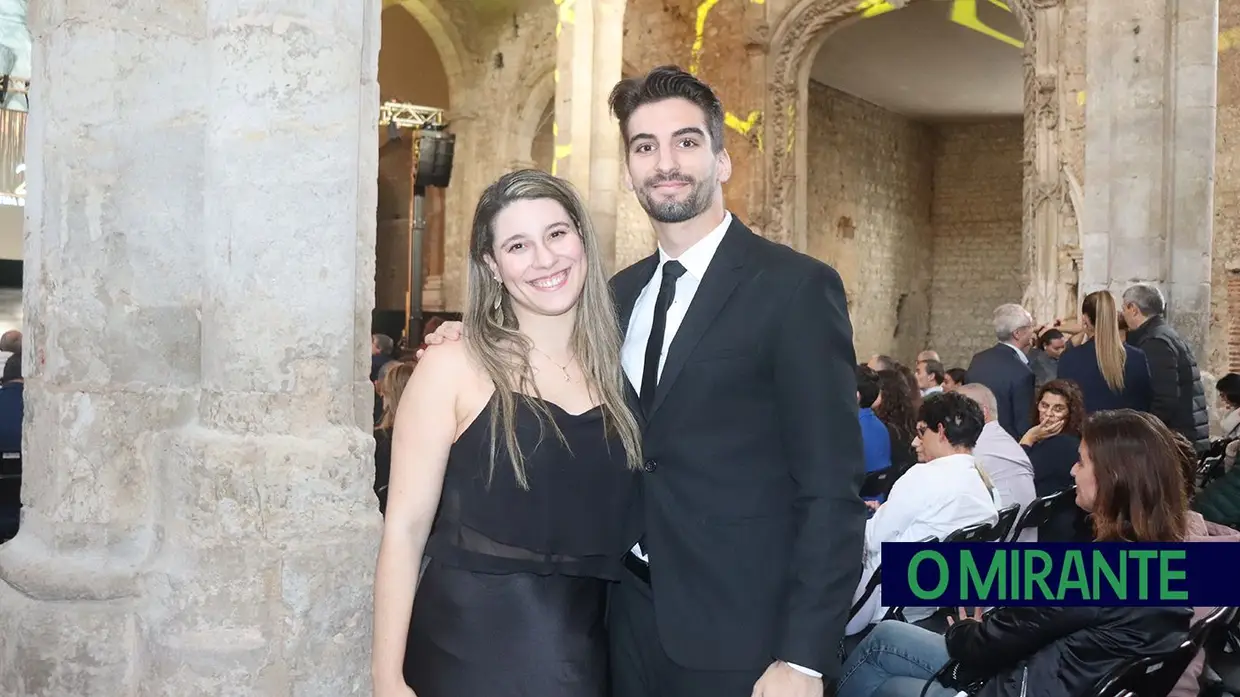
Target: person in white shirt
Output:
{"points": [[1002, 458], [946, 491]]}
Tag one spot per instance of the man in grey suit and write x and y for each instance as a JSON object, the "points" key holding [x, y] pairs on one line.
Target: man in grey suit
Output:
{"points": [[1002, 457]]}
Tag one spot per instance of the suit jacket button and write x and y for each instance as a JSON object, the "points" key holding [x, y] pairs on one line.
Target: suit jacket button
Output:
{"points": [[650, 465]]}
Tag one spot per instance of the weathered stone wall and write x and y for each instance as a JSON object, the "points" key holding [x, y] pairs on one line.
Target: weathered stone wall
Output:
{"points": [[976, 218], [198, 517], [1223, 352], [869, 191], [543, 148], [505, 60]]}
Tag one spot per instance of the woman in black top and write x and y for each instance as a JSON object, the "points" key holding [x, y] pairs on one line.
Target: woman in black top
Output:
{"points": [[518, 446], [1131, 477], [896, 407], [1053, 445]]}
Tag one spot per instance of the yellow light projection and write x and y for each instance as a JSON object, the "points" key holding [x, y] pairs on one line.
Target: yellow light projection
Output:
{"points": [[730, 120], [964, 13], [1228, 39], [565, 15]]}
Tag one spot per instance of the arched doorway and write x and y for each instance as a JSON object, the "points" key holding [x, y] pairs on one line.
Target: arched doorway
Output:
{"points": [[412, 69], [1042, 279]]}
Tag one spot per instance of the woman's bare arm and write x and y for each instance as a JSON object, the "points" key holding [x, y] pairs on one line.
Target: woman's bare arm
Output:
{"points": [[426, 425]]}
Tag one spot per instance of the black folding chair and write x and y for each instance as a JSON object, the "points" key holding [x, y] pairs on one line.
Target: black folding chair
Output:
{"points": [[1208, 470], [1007, 520], [978, 532], [1156, 675], [1210, 465], [893, 613], [1040, 511], [878, 483]]}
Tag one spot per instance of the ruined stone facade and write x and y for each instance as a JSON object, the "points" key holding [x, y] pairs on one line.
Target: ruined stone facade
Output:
{"points": [[758, 54], [198, 518]]}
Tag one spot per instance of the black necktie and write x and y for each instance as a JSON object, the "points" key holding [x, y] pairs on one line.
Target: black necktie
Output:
{"points": [[672, 271]]}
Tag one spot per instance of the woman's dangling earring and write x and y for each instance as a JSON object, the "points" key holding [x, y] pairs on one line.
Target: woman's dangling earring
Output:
{"points": [[499, 294]]}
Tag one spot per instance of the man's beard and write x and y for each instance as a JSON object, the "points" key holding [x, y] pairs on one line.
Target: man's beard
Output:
{"points": [[701, 195]]}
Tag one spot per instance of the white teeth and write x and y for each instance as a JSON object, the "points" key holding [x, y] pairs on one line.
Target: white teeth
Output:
{"points": [[552, 282]]}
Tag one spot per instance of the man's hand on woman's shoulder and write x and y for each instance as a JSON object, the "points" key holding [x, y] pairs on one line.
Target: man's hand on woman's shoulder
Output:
{"points": [[448, 331]]}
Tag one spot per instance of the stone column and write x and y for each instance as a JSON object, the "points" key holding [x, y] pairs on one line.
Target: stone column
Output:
{"points": [[1149, 152], [201, 225], [471, 173], [589, 62], [574, 110], [605, 144]]}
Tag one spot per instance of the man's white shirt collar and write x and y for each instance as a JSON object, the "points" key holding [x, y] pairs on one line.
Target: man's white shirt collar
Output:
{"points": [[695, 259], [1024, 357]]}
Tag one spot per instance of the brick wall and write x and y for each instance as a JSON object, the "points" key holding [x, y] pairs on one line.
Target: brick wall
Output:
{"points": [[976, 219], [868, 207], [1233, 328], [1223, 346]]}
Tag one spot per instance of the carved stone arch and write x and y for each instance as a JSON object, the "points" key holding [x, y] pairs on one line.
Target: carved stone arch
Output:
{"points": [[539, 92], [438, 25], [793, 46]]}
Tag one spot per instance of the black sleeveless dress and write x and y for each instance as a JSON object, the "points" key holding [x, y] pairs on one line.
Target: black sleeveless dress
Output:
{"points": [[512, 600]]}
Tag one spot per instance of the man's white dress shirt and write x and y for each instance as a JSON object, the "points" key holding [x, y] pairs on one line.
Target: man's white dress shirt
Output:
{"points": [[695, 260], [1024, 357]]}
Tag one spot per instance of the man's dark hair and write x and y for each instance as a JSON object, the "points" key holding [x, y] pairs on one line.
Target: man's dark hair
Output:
{"points": [[935, 370], [960, 417], [1048, 336], [667, 82], [384, 343], [867, 386], [960, 376], [1229, 387]]}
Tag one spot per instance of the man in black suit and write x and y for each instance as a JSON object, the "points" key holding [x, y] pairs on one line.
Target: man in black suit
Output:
{"points": [[740, 358], [1004, 368]]}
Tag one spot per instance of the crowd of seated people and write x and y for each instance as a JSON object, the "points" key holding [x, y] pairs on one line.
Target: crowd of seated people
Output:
{"points": [[945, 491], [1132, 475]]}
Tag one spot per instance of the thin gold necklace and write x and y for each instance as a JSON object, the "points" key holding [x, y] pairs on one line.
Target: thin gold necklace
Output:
{"points": [[563, 368]]}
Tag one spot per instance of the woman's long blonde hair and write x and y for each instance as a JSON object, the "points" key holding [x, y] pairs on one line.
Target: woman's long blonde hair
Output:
{"points": [[391, 387], [1099, 307], [496, 343]]}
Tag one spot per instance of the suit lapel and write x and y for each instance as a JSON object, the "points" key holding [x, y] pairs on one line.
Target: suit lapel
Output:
{"points": [[722, 276]]}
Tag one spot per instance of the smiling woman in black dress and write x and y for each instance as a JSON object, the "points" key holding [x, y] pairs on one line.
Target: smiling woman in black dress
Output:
{"points": [[513, 463]]}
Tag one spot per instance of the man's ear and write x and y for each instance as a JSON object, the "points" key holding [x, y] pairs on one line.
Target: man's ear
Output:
{"points": [[725, 166]]}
